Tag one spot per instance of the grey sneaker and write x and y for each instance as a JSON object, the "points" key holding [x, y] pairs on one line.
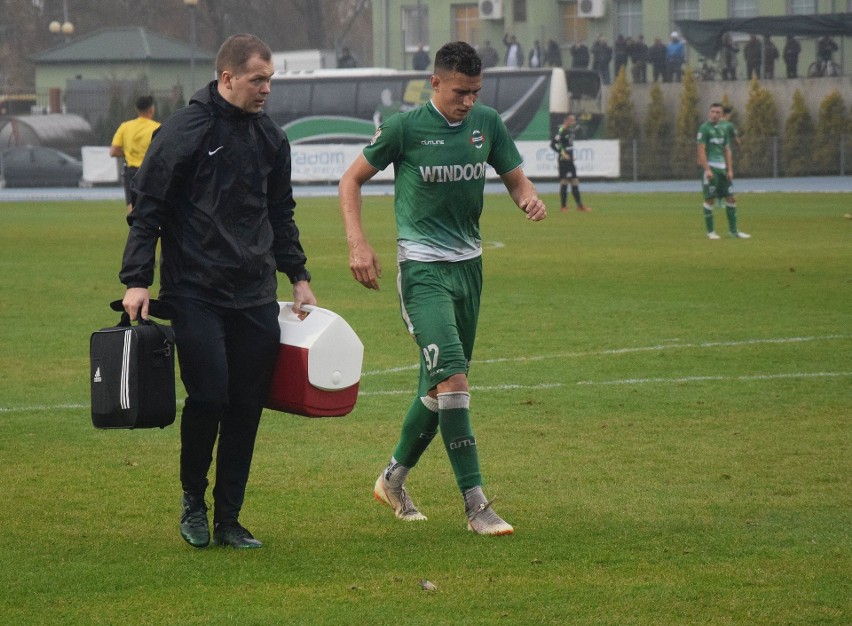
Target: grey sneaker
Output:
{"points": [[484, 521], [713, 235], [397, 499]]}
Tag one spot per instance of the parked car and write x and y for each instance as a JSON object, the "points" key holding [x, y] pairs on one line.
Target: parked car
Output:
{"points": [[38, 166]]}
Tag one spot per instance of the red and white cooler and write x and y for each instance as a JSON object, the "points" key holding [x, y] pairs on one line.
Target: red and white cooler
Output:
{"points": [[319, 364]]}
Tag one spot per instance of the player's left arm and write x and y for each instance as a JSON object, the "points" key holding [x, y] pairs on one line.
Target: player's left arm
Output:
{"points": [[729, 159], [524, 194]]}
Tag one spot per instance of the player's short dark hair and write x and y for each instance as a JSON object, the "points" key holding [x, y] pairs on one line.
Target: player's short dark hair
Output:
{"points": [[458, 56], [143, 103], [236, 51], [717, 104], [727, 109]]}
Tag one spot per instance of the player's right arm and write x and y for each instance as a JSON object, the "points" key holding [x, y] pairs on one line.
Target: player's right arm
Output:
{"points": [[363, 262]]}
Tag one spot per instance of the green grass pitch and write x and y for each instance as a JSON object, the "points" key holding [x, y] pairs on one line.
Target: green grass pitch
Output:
{"points": [[664, 419]]}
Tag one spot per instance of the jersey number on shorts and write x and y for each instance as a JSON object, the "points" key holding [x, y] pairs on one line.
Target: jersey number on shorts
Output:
{"points": [[430, 354]]}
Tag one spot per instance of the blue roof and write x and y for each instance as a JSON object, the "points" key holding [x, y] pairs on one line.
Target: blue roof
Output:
{"points": [[122, 45]]}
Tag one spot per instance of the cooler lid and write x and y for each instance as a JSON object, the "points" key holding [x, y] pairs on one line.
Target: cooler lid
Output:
{"points": [[335, 353]]}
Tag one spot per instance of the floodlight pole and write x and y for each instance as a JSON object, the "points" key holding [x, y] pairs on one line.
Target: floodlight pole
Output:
{"points": [[192, 4]]}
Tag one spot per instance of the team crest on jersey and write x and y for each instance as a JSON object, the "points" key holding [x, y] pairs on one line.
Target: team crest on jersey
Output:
{"points": [[477, 139], [376, 136]]}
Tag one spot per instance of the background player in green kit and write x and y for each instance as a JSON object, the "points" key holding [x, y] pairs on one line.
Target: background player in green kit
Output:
{"points": [[716, 159], [439, 152]]}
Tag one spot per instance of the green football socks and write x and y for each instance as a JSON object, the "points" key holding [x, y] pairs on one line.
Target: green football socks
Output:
{"points": [[731, 211], [419, 427], [708, 217], [457, 433]]}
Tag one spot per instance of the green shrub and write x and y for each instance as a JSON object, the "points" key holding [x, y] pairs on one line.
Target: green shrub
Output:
{"points": [[799, 133]]}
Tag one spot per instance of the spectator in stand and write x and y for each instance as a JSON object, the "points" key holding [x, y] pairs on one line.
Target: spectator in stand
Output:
{"points": [[792, 48], [675, 56], [826, 49], [770, 54], [729, 57], [579, 56], [553, 55], [489, 55], [752, 53], [346, 59], [420, 60], [601, 58], [620, 55], [514, 52], [536, 57], [638, 52], [657, 59]]}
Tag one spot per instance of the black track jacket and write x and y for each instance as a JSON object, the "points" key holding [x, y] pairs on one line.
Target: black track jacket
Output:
{"points": [[215, 185]]}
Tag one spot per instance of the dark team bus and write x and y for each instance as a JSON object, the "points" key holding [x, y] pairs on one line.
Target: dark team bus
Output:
{"points": [[346, 106]]}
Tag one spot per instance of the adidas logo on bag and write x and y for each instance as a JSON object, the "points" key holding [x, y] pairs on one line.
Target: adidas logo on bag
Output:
{"points": [[97, 377]]}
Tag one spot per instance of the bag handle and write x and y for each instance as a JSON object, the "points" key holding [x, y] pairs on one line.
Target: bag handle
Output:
{"points": [[161, 309]]}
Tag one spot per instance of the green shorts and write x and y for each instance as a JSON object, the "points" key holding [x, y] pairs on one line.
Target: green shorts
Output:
{"points": [[717, 187], [440, 307]]}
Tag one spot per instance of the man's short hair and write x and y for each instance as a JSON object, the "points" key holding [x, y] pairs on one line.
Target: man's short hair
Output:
{"points": [[236, 51], [143, 103], [717, 105], [460, 57], [727, 109]]}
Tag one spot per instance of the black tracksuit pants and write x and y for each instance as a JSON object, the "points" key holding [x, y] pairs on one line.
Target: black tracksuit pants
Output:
{"points": [[226, 360]]}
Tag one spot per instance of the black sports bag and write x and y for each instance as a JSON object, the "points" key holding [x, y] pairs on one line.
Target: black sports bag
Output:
{"points": [[133, 371]]}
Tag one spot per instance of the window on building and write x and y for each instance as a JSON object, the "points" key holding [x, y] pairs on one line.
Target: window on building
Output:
{"points": [[628, 18], [685, 10], [519, 10], [801, 7], [466, 24], [743, 8], [574, 29], [415, 26]]}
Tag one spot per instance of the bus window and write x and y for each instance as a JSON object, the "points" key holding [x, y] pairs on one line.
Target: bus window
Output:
{"points": [[289, 100], [334, 98], [514, 89], [374, 93]]}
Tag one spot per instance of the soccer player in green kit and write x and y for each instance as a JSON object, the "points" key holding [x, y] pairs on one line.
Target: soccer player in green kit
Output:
{"points": [[439, 152], [716, 159]]}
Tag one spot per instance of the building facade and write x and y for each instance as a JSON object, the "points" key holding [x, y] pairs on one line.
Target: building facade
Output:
{"points": [[400, 26]]}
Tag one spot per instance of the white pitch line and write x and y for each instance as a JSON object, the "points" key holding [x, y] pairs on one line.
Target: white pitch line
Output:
{"points": [[695, 379], [612, 351], [397, 392]]}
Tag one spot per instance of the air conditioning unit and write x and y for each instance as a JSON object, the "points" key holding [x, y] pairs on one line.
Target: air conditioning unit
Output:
{"points": [[491, 9], [591, 8]]}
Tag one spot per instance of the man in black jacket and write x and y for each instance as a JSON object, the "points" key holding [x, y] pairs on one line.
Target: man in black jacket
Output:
{"points": [[657, 59], [215, 186]]}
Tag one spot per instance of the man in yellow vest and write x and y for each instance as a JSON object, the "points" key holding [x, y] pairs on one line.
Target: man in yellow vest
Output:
{"points": [[131, 142]]}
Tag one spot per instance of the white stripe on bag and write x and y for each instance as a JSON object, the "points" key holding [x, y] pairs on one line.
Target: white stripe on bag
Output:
{"points": [[125, 371]]}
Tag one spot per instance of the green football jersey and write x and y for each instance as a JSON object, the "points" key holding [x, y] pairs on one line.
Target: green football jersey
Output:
{"points": [[439, 177], [715, 140]]}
